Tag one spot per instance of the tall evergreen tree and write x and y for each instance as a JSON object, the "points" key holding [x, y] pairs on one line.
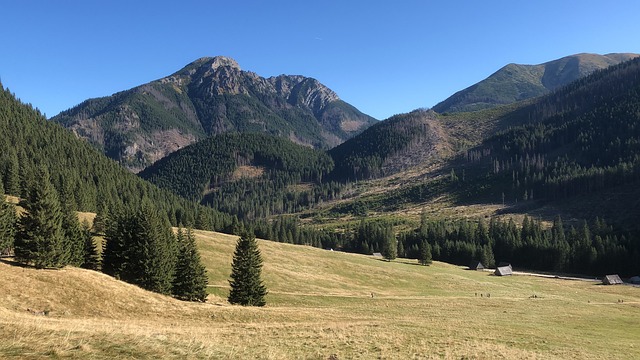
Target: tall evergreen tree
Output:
{"points": [[389, 244], [40, 240], [246, 284], [140, 249], [7, 224], [90, 256], [190, 282], [152, 251], [12, 174], [424, 254], [118, 236], [73, 236]]}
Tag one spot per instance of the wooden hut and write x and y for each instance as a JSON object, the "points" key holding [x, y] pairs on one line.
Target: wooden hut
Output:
{"points": [[503, 271], [476, 265], [612, 280]]}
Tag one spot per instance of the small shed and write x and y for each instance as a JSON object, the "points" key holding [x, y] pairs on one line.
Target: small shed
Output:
{"points": [[503, 271], [504, 263], [377, 255], [612, 280], [635, 280], [476, 265]]}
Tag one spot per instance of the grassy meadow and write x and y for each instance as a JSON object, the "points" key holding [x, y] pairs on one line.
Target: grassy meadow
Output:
{"points": [[321, 305]]}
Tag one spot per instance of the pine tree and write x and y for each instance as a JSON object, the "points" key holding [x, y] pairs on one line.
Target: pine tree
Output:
{"points": [[7, 224], [246, 284], [12, 174], [116, 241], [101, 219], [389, 244], [424, 254], [40, 239], [152, 251], [190, 282], [486, 256], [91, 258], [73, 236], [140, 249]]}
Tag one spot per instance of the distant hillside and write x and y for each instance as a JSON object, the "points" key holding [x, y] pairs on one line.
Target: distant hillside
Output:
{"points": [[577, 141], [396, 144], [211, 96], [85, 176], [250, 175], [516, 82]]}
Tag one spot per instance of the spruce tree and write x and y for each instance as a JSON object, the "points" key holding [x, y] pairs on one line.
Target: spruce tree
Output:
{"points": [[73, 236], [90, 256], [7, 224], [153, 251], [190, 281], [246, 284], [140, 249], [12, 174], [117, 238], [40, 240], [424, 255], [389, 244]]}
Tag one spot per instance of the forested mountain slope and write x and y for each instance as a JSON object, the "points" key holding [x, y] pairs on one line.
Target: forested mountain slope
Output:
{"points": [[393, 145], [249, 174], [577, 141], [211, 96], [516, 82], [78, 171]]}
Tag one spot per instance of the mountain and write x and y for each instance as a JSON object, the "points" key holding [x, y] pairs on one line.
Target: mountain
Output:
{"points": [[516, 82], [248, 174], [579, 140], [390, 146], [210, 96], [80, 173]]}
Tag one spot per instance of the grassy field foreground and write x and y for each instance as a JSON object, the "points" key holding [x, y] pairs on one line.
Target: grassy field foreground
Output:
{"points": [[320, 306]]}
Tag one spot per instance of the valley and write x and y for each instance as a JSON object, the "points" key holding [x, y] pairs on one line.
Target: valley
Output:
{"points": [[320, 305], [546, 179]]}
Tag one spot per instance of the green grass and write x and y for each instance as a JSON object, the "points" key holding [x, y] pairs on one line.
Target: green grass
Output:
{"points": [[319, 304]]}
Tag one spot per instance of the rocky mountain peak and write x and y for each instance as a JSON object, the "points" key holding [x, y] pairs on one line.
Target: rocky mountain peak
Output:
{"points": [[221, 61]]}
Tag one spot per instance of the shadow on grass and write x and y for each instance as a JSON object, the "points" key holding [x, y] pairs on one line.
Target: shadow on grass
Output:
{"points": [[13, 262], [401, 262]]}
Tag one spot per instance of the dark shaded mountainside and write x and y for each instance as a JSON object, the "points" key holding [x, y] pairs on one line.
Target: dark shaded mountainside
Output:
{"points": [[516, 82], [391, 146], [211, 96], [251, 175], [84, 177], [577, 142]]}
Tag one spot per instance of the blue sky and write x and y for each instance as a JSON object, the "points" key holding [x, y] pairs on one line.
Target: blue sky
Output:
{"points": [[382, 57]]}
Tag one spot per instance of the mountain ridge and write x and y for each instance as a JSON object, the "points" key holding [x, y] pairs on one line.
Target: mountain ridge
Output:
{"points": [[516, 82], [209, 96]]}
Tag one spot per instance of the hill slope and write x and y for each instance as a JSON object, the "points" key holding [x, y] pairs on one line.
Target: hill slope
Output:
{"points": [[90, 180], [250, 175], [579, 140], [396, 144], [211, 96], [516, 82], [319, 304]]}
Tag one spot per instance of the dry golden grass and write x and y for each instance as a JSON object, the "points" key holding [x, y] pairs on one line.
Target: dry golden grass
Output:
{"points": [[319, 305], [247, 172]]}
